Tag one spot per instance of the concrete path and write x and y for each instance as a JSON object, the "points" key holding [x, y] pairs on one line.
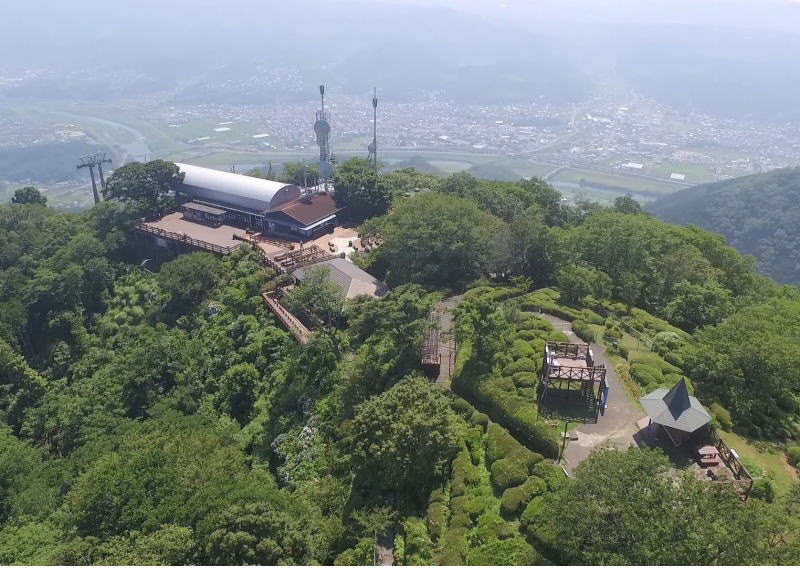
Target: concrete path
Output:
{"points": [[617, 425]]}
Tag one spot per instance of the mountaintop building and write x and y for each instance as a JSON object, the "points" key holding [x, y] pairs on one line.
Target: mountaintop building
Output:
{"points": [[219, 197]]}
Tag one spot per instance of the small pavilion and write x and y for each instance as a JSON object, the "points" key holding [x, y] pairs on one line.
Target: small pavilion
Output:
{"points": [[678, 413]]}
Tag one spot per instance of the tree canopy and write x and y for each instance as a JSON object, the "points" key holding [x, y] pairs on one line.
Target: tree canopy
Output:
{"points": [[150, 189]]}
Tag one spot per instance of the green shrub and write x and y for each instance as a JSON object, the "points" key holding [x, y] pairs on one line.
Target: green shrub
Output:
{"points": [[513, 551], [504, 406], [525, 380], [521, 349], [532, 516], [460, 520], [479, 419], [676, 359], [515, 499], [400, 549], [418, 545], [463, 407], [500, 444], [557, 336], [583, 331], [764, 488], [646, 375], [435, 520], [657, 362], [528, 335], [508, 472], [521, 365], [436, 495], [592, 317], [361, 554], [668, 340], [454, 547], [490, 527], [552, 475], [721, 415], [793, 455], [458, 504], [479, 504]]}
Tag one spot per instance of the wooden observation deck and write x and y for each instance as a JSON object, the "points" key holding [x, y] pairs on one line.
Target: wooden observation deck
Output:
{"points": [[431, 354], [569, 366]]}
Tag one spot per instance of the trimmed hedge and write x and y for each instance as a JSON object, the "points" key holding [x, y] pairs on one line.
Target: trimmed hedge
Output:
{"points": [[463, 407], [515, 499], [532, 516], [479, 419], [520, 365], [500, 444], [657, 362], [508, 472], [514, 551], [435, 520], [454, 547], [583, 331], [418, 545], [793, 456], [521, 349], [525, 380], [552, 475], [647, 376], [490, 527]]}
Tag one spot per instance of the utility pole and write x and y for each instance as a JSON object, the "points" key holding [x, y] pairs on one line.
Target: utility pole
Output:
{"points": [[92, 161]]}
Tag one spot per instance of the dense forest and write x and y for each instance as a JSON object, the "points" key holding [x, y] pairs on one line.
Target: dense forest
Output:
{"points": [[154, 413], [758, 214]]}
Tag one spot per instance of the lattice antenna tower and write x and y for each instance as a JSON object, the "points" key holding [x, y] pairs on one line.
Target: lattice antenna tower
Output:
{"points": [[372, 158], [92, 161], [322, 129]]}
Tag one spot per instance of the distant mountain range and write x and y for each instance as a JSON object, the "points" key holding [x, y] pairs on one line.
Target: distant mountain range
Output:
{"points": [[758, 214]]}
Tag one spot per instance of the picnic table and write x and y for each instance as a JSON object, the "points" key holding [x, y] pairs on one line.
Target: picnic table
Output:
{"points": [[708, 456]]}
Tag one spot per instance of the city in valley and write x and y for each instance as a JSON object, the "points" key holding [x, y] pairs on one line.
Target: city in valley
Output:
{"points": [[614, 143]]}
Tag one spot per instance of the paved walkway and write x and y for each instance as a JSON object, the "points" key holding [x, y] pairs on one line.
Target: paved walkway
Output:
{"points": [[617, 425]]}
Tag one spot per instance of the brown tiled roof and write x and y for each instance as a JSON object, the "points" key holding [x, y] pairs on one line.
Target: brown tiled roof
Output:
{"points": [[308, 210]]}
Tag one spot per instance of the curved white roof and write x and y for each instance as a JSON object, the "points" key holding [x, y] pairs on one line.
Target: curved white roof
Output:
{"points": [[240, 191]]}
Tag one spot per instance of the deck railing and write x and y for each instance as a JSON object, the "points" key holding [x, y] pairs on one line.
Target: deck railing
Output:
{"points": [[185, 239]]}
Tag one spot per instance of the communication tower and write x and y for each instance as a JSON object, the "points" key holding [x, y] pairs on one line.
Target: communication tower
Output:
{"points": [[372, 158], [322, 128]]}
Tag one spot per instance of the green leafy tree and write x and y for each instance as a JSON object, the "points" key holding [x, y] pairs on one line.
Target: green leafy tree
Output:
{"points": [[433, 239], [749, 363], [403, 436], [318, 297], [360, 186], [625, 508], [627, 205], [29, 196], [151, 189], [695, 305], [238, 389], [578, 282], [188, 279], [257, 534]]}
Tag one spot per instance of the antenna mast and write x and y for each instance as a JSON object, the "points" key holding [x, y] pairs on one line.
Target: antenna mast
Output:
{"points": [[372, 158], [92, 161], [322, 129]]}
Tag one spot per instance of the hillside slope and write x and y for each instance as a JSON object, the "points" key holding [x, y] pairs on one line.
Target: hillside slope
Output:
{"points": [[758, 214]]}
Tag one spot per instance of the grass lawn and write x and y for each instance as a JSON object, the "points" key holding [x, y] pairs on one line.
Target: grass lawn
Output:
{"points": [[773, 464]]}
